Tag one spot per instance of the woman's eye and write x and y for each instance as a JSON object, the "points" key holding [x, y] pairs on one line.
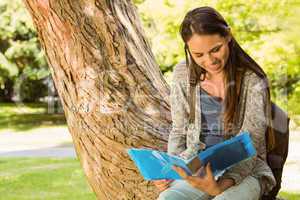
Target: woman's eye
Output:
{"points": [[198, 55], [216, 49]]}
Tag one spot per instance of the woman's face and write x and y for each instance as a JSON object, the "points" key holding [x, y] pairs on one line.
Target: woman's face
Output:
{"points": [[211, 52]]}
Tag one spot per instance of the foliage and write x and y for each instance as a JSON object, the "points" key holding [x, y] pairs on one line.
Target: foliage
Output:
{"points": [[21, 60], [267, 30]]}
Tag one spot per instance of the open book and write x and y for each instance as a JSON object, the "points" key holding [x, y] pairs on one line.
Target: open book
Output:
{"points": [[154, 165]]}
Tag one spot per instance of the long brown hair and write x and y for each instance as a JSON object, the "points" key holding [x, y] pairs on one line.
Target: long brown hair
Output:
{"points": [[207, 21]]}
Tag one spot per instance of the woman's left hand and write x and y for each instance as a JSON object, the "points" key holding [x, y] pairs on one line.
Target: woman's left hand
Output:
{"points": [[206, 184]]}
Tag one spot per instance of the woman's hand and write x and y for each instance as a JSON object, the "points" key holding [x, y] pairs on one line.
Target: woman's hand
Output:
{"points": [[206, 184], [162, 184]]}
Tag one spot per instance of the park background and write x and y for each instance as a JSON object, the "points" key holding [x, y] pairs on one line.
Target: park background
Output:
{"points": [[37, 160]]}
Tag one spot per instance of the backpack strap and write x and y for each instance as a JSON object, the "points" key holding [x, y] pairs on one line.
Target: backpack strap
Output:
{"points": [[193, 76], [192, 102]]}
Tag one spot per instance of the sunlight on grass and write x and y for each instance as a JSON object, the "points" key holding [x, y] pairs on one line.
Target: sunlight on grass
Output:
{"points": [[290, 195], [43, 178]]}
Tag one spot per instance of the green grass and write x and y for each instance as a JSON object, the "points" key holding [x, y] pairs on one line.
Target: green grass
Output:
{"points": [[28, 116], [43, 179], [290, 195], [50, 178]]}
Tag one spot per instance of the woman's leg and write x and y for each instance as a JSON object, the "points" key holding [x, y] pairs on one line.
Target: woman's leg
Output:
{"points": [[181, 190], [248, 189]]}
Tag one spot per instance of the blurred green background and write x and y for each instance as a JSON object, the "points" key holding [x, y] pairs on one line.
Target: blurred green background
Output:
{"points": [[267, 29]]}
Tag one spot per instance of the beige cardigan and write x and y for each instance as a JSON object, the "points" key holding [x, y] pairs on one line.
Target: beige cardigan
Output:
{"points": [[184, 137]]}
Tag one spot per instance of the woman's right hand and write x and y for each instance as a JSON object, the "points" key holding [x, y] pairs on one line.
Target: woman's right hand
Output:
{"points": [[162, 184]]}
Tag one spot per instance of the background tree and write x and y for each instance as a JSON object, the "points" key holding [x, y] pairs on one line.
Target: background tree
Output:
{"points": [[22, 63]]}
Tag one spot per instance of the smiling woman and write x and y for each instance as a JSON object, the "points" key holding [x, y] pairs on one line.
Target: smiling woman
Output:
{"points": [[209, 51], [232, 95]]}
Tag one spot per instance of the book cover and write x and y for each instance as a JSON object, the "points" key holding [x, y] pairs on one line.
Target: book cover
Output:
{"points": [[154, 165]]}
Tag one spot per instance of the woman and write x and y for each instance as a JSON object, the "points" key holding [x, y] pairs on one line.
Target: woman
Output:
{"points": [[231, 96]]}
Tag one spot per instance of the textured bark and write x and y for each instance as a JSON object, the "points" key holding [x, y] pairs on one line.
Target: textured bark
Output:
{"points": [[113, 93]]}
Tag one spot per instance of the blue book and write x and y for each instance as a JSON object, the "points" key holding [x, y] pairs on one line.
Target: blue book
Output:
{"points": [[154, 165]]}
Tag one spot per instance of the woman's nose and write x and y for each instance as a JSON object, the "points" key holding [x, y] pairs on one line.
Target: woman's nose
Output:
{"points": [[209, 59]]}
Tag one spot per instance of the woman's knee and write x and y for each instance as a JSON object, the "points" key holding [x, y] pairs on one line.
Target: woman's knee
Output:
{"points": [[183, 192], [170, 194]]}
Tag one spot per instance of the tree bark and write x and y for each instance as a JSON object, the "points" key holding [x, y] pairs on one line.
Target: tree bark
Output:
{"points": [[113, 94]]}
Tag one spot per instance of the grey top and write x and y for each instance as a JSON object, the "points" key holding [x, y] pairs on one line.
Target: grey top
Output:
{"points": [[184, 138], [212, 112]]}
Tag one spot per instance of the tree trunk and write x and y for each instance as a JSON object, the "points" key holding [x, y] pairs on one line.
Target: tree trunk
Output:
{"points": [[113, 93], [8, 91]]}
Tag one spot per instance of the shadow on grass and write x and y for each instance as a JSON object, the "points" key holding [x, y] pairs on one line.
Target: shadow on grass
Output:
{"points": [[23, 122], [28, 116]]}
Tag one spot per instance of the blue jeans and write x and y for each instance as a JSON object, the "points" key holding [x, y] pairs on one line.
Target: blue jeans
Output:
{"points": [[248, 189]]}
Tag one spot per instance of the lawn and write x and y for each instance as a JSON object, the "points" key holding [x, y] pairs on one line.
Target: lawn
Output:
{"points": [[51, 179], [43, 178], [290, 195], [24, 117]]}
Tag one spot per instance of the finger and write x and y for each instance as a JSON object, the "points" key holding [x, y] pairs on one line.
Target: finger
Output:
{"points": [[168, 181], [156, 182], [200, 171], [163, 188], [195, 179], [160, 181], [208, 170], [180, 171], [196, 182], [161, 184]]}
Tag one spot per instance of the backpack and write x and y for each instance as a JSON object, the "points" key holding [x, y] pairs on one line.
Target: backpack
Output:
{"points": [[275, 157]]}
